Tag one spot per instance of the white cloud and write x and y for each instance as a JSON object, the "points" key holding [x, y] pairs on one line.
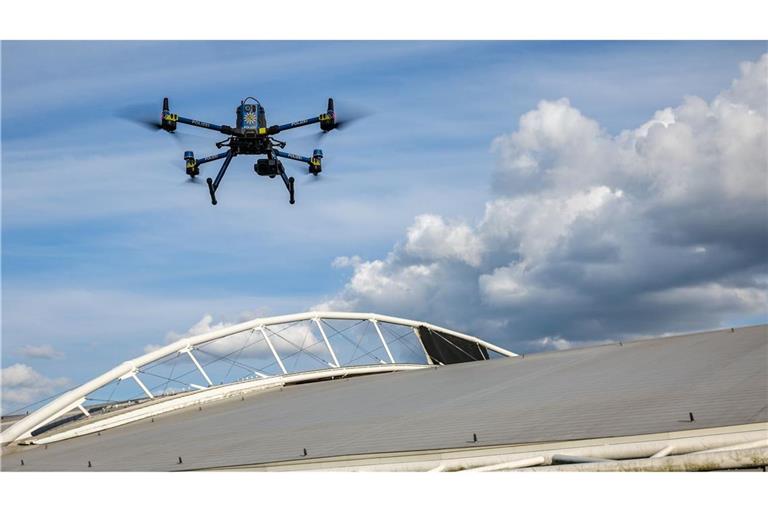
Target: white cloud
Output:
{"points": [[555, 342], [595, 236], [22, 385], [432, 237], [40, 352]]}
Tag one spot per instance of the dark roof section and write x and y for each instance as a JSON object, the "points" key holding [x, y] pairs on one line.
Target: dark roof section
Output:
{"points": [[641, 387]]}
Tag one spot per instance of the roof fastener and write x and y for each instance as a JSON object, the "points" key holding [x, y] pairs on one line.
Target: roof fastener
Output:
{"points": [[690, 415], [180, 461]]}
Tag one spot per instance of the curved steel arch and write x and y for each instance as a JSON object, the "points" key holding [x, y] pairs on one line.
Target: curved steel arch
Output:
{"points": [[73, 399]]}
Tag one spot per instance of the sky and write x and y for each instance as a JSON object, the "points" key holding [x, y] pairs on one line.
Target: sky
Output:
{"points": [[540, 195]]}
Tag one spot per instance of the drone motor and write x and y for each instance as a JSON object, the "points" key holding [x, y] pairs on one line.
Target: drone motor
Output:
{"points": [[316, 162], [192, 168]]}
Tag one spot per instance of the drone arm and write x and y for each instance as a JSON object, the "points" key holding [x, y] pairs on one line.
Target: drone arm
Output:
{"points": [[169, 121], [226, 130], [322, 118], [211, 158], [292, 156]]}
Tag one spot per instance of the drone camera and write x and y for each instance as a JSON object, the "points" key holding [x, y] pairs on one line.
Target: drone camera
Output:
{"points": [[267, 167]]}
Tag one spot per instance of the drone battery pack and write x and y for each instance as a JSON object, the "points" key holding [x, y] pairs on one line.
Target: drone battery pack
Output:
{"points": [[250, 117]]}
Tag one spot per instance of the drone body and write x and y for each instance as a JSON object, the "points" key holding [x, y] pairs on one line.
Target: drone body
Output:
{"points": [[251, 136]]}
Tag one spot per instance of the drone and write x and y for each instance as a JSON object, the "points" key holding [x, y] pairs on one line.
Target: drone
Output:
{"points": [[250, 136]]}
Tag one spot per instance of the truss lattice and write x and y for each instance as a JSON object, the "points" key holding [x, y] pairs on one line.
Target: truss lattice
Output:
{"points": [[254, 355]]}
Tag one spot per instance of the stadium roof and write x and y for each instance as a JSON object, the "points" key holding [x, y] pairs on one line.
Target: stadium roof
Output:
{"points": [[678, 394]]}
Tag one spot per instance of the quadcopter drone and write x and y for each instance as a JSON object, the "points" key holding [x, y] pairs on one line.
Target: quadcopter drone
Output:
{"points": [[251, 136]]}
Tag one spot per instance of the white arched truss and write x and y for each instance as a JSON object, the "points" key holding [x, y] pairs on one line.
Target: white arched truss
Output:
{"points": [[259, 354]]}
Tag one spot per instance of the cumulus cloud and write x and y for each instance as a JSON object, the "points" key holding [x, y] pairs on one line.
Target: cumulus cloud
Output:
{"points": [[661, 228], [22, 385], [40, 352], [549, 343], [432, 237]]}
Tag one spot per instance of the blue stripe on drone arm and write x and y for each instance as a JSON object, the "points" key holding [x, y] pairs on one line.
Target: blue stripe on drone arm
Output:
{"points": [[296, 124], [292, 156], [200, 124], [211, 158]]}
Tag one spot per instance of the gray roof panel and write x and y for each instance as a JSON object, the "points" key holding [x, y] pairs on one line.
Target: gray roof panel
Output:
{"points": [[641, 387]]}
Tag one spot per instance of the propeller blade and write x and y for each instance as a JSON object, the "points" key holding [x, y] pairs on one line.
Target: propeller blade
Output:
{"points": [[181, 167], [145, 115], [346, 115], [320, 178], [312, 179], [304, 169], [194, 181]]}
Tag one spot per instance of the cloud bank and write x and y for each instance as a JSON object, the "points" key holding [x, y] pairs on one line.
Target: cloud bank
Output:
{"points": [[591, 236], [40, 352], [21, 384]]}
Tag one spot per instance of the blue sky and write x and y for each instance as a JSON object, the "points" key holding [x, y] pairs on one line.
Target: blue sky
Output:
{"points": [[106, 250]]}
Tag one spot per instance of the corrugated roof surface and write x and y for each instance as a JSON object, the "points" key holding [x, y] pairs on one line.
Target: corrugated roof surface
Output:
{"points": [[638, 388]]}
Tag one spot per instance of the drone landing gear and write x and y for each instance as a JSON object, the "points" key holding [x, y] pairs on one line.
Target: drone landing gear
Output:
{"points": [[289, 185], [213, 185], [288, 181]]}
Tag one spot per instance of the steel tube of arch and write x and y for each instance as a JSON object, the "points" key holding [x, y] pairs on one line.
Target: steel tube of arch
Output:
{"points": [[383, 341], [327, 343], [194, 360], [142, 386], [272, 348], [68, 400]]}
